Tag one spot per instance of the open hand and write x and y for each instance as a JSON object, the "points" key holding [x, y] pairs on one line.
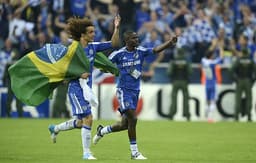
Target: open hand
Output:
{"points": [[117, 21], [85, 75]]}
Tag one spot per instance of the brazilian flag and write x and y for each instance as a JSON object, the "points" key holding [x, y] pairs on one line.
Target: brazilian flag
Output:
{"points": [[104, 64], [36, 75]]}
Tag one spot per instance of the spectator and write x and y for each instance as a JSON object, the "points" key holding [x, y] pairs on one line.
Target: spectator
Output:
{"points": [[13, 56], [78, 8], [142, 15], [168, 53], [5, 58], [5, 13], [154, 24], [206, 35], [97, 17], [180, 9], [126, 9], [151, 61]]}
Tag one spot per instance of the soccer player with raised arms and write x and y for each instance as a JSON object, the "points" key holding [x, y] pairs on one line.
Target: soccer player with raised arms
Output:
{"points": [[129, 60], [209, 63], [82, 30]]}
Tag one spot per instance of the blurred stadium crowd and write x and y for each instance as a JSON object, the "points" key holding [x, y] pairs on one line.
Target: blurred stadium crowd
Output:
{"points": [[26, 25]]}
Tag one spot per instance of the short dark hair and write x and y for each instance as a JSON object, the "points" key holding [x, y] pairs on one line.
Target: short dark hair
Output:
{"points": [[209, 53], [127, 35]]}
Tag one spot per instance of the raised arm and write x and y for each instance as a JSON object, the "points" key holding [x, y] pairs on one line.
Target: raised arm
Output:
{"points": [[166, 44], [115, 37]]}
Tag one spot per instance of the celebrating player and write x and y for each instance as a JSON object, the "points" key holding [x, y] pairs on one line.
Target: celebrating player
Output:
{"points": [[82, 30], [129, 60]]}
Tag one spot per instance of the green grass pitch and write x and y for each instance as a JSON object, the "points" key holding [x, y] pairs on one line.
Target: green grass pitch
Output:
{"points": [[28, 141]]}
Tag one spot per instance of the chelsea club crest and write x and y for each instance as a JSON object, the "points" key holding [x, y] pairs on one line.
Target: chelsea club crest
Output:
{"points": [[90, 51]]}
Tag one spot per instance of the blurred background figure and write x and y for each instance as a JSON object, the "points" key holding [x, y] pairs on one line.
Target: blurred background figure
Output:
{"points": [[127, 11], [5, 58], [12, 56], [5, 12], [78, 8], [60, 109], [150, 62], [179, 72], [244, 75], [209, 65]]}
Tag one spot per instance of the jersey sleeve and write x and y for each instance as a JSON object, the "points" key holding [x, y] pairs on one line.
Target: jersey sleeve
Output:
{"points": [[101, 46], [146, 51], [217, 61], [113, 57]]}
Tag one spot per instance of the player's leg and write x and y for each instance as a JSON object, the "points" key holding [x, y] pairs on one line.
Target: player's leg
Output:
{"points": [[208, 101], [82, 109], [9, 99], [238, 98], [186, 112], [86, 136], [72, 123], [248, 94], [173, 108], [132, 122], [130, 106], [19, 106], [101, 131], [64, 126], [68, 125], [212, 104], [118, 126]]}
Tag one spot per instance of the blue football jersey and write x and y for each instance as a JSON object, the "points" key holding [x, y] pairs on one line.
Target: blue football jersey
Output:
{"points": [[90, 50], [128, 63], [208, 66]]}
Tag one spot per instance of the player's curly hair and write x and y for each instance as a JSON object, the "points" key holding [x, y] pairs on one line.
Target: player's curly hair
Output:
{"points": [[77, 26]]}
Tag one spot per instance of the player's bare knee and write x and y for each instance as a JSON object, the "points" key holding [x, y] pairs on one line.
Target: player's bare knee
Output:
{"points": [[79, 123], [87, 120], [121, 126], [124, 126], [132, 121]]}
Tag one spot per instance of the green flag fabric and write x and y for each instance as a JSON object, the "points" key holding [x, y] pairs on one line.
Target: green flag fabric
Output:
{"points": [[36, 75], [104, 64]]}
